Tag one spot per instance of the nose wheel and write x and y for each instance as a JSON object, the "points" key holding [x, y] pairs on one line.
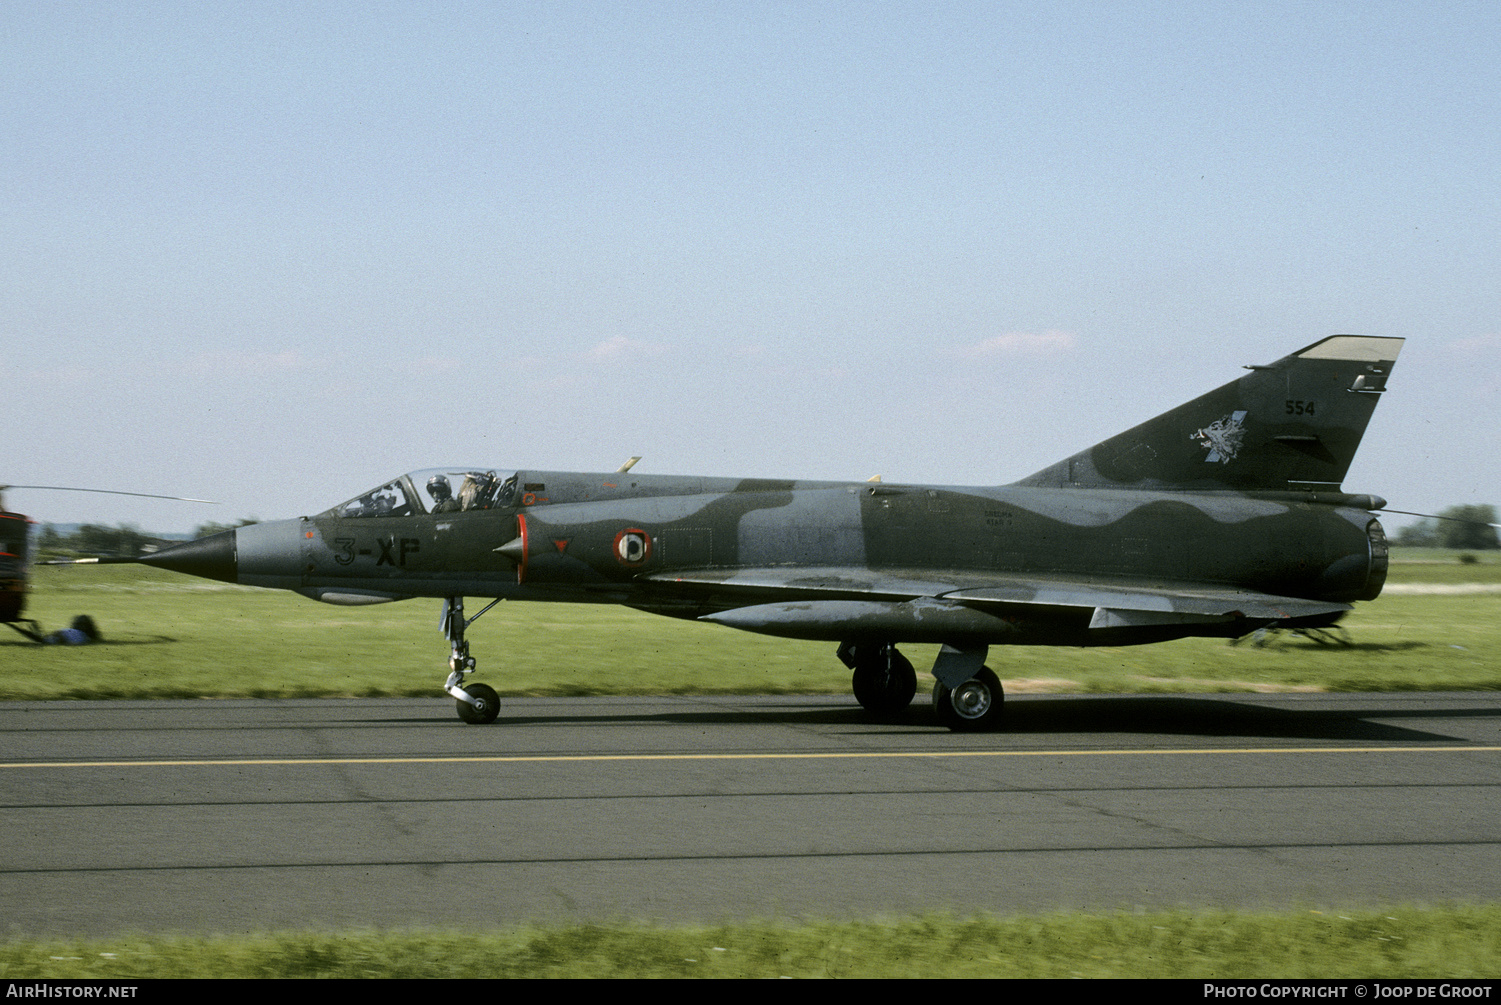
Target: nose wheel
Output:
{"points": [[478, 704], [482, 707]]}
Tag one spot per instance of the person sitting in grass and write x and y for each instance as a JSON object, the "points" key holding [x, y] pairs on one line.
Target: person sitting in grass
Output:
{"points": [[82, 632]]}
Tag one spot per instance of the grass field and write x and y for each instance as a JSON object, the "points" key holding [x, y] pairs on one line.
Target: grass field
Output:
{"points": [[1438, 627], [1442, 942]]}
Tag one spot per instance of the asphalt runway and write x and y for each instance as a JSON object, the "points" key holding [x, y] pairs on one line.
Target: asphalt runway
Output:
{"points": [[225, 816]]}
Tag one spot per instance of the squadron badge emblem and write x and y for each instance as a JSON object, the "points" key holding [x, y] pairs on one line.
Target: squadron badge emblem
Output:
{"points": [[1222, 438]]}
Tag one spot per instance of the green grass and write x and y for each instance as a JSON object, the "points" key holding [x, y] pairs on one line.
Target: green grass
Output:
{"points": [[1443, 565], [170, 636], [1444, 942]]}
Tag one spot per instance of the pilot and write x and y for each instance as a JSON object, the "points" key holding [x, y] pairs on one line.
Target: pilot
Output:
{"points": [[82, 633], [442, 493]]}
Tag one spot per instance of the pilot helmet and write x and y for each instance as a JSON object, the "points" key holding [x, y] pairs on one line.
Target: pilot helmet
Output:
{"points": [[439, 489]]}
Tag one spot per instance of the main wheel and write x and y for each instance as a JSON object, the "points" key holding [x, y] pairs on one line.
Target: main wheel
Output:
{"points": [[973, 706], [487, 709], [884, 684]]}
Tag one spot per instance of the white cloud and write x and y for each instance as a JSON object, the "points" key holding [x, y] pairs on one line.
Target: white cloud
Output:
{"points": [[428, 365], [620, 347], [1476, 347], [63, 375], [253, 363], [1477, 361], [1049, 343]]}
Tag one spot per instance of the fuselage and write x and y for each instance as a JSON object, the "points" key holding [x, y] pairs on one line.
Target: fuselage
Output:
{"points": [[610, 538]]}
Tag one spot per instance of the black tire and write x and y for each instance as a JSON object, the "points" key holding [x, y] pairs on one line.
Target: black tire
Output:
{"points": [[489, 705], [974, 706], [941, 707], [884, 686]]}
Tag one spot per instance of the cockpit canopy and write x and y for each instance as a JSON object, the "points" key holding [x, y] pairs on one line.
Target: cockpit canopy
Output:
{"points": [[434, 490]]}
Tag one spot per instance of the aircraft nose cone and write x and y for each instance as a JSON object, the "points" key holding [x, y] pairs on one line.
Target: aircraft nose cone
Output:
{"points": [[212, 557]]}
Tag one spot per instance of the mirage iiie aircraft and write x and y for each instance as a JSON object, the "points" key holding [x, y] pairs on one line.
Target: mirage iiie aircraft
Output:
{"points": [[1217, 518]]}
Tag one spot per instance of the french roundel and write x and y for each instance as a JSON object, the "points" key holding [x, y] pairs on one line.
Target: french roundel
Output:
{"points": [[633, 546]]}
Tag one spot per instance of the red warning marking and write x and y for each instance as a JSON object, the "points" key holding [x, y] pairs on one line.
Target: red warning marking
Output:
{"points": [[525, 552]]}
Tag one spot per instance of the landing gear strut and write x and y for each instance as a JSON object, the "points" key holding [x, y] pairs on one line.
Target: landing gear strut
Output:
{"points": [[477, 703], [883, 680]]}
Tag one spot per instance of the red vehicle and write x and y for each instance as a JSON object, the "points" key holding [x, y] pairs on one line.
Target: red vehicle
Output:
{"points": [[14, 556]]}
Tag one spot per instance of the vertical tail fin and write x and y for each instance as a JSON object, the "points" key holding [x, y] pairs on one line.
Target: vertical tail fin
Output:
{"points": [[1290, 425]]}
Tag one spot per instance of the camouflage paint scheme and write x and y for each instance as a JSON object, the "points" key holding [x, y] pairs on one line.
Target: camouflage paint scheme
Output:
{"points": [[1219, 517]]}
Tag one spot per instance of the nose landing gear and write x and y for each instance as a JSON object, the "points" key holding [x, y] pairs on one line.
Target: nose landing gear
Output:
{"points": [[477, 703]]}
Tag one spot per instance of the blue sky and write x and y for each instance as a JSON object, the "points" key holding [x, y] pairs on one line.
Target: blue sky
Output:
{"points": [[274, 254]]}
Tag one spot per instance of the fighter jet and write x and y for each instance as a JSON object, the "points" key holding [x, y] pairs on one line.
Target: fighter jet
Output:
{"points": [[1217, 518]]}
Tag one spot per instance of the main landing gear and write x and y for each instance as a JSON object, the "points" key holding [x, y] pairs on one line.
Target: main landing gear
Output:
{"points": [[972, 707], [884, 683], [883, 680], [477, 703]]}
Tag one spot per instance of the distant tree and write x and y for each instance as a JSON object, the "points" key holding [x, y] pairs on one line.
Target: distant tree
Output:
{"points": [[1423, 534], [210, 529], [1465, 527], [53, 543], [124, 541]]}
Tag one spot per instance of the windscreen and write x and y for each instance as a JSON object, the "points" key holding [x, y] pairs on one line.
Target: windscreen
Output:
{"points": [[434, 490]]}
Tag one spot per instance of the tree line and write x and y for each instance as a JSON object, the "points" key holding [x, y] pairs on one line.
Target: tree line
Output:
{"points": [[125, 540], [1461, 527]]}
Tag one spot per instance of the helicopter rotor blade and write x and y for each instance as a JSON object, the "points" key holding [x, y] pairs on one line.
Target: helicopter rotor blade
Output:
{"points": [[112, 492], [1435, 516]]}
